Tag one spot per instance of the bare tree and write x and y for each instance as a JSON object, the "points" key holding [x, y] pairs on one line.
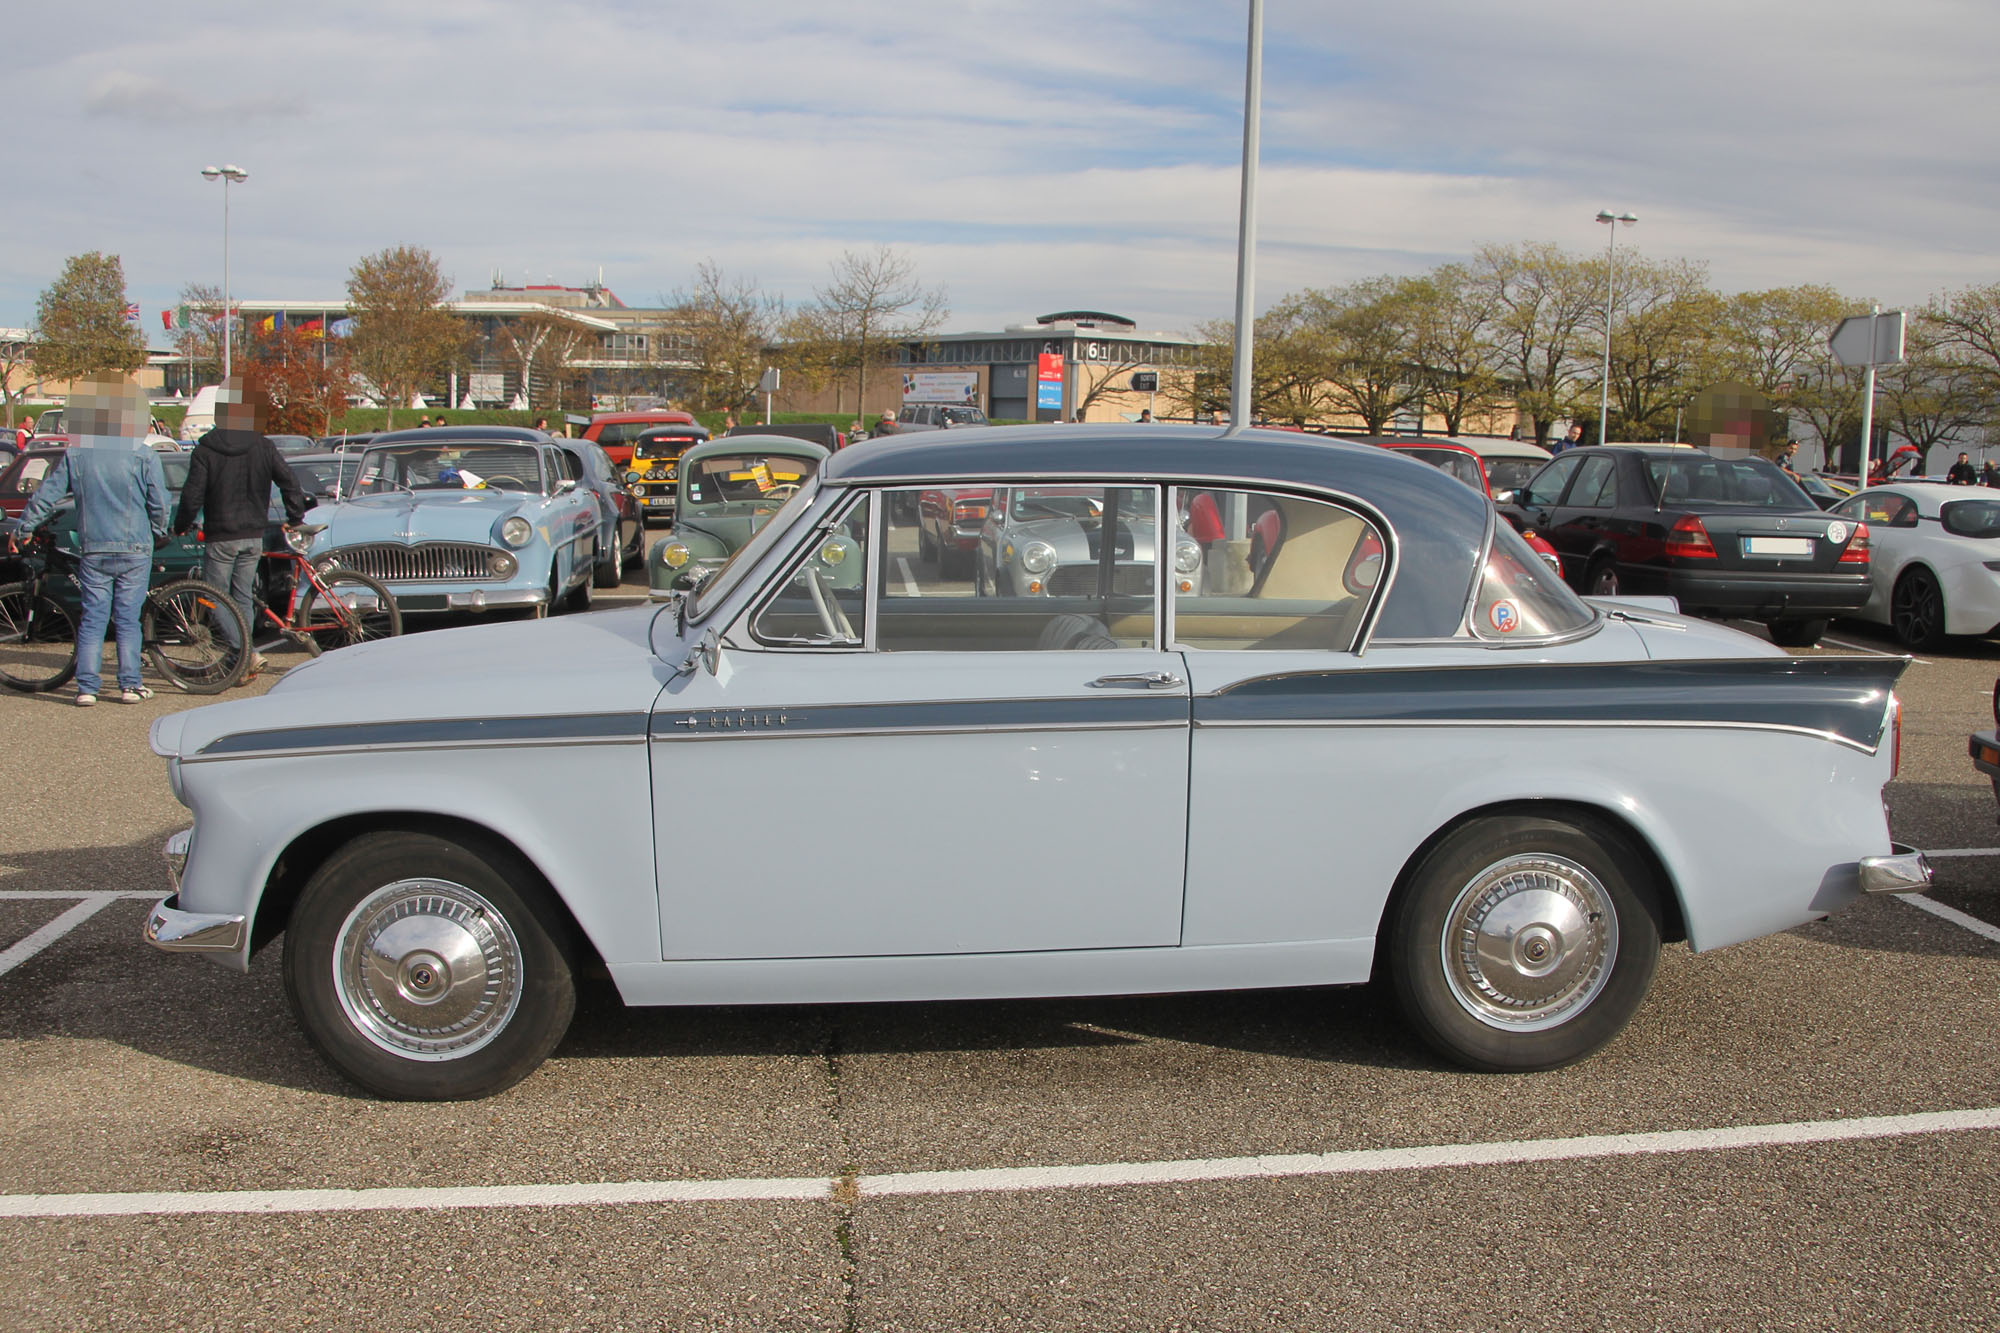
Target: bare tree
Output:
{"points": [[873, 304], [80, 323], [540, 346], [403, 338], [725, 329], [1941, 390], [17, 360], [198, 331], [1105, 383]]}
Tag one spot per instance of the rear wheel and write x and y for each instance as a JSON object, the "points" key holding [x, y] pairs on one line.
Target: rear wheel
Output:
{"points": [[1796, 633], [1916, 609], [1523, 942], [428, 968], [195, 636], [37, 640], [356, 609], [610, 571]]}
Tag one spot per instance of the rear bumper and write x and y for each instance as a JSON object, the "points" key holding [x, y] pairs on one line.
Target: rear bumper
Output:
{"points": [[1904, 870], [1768, 596]]}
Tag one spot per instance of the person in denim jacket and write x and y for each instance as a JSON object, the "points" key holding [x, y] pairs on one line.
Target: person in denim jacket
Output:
{"points": [[121, 514]]}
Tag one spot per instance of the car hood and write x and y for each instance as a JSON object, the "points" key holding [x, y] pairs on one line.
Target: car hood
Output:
{"points": [[597, 665], [408, 519], [1072, 543]]}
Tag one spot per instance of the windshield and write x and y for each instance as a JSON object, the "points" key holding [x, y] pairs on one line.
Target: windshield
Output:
{"points": [[718, 585], [450, 467], [1461, 465], [962, 416], [1701, 479], [624, 432], [1521, 598], [746, 478], [1032, 502]]}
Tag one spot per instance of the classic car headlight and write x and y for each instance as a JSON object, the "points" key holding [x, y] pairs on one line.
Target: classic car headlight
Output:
{"points": [[1187, 558], [673, 555], [631, 478], [1038, 557], [517, 531], [501, 565], [833, 552]]}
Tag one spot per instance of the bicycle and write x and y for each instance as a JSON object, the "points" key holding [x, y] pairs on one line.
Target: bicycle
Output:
{"points": [[324, 608], [190, 630]]}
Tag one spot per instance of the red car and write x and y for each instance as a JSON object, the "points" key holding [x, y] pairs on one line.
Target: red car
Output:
{"points": [[948, 524], [616, 432], [1469, 468], [19, 477]]}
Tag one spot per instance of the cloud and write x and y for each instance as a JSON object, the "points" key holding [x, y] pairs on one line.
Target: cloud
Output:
{"points": [[123, 95]]}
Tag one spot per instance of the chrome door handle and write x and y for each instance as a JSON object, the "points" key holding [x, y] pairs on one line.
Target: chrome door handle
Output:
{"points": [[1145, 680]]}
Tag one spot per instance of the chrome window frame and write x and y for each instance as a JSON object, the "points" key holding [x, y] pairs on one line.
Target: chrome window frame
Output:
{"points": [[802, 552]]}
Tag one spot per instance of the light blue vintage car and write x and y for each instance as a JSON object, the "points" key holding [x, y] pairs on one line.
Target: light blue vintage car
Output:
{"points": [[1396, 746], [466, 518]]}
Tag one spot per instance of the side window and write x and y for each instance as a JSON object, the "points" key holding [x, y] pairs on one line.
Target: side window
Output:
{"points": [[1018, 569], [1546, 487], [1255, 570], [1596, 483], [820, 603]]}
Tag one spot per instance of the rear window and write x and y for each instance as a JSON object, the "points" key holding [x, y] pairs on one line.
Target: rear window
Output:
{"points": [[1463, 466], [1522, 598], [1700, 479], [1971, 518]]}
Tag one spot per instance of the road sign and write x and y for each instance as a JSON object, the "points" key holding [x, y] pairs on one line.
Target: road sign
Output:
{"points": [[1869, 340], [1146, 381], [768, 381]]}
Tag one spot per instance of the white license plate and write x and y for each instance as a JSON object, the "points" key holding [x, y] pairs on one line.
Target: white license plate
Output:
{"points": [[1777, 546]]}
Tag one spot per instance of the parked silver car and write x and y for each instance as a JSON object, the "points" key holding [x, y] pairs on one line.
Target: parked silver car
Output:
{"points": [[1051, 541]]}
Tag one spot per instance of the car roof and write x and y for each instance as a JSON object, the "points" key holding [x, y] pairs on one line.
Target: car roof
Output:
{"points": [[1932, 494], [462, 435], [663, 414], [1441, 530], [784, 446]]}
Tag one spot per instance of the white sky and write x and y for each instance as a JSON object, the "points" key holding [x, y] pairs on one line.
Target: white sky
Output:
{"points": [[1029, 155]]}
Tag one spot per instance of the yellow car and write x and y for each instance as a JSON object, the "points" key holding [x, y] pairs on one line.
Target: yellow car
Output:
{"points": [[655, 467]]}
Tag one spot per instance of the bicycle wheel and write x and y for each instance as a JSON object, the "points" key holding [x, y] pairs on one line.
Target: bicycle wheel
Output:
{"points": [[37, 640], [195, 636], [355, 608]]}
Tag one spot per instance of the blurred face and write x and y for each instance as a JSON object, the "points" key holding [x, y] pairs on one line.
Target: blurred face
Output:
{"points": [[239, 407], [106, 405]]}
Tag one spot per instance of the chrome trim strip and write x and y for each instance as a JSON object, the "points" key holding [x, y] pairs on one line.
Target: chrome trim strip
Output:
{"points": [[175, 931], [1096, 713], [966, 729], [557, 729], [1459, 724], [1904, 870]]}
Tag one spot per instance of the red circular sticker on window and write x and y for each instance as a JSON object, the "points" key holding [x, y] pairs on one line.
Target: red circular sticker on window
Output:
{"points": [[1504, 617]]}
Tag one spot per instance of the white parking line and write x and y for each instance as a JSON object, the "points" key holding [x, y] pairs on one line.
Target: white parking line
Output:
{"points": [[1873, 652], [1006, 1179], [69, 895], [1953, 915], [910, 588], [23, 949], [1963, 851]]}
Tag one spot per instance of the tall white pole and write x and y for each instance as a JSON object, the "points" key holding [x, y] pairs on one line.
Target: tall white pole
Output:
{"points": [[1246, 224], [1610, 285], [225, 280]]}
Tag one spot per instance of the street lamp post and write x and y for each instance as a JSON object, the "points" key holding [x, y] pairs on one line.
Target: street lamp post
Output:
{"points": [[1610, 284], [228, 173]]}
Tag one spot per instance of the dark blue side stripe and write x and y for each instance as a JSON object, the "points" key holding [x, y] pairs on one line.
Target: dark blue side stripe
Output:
{"points": [[1110, 710], [1843, 696], [437, 731]]}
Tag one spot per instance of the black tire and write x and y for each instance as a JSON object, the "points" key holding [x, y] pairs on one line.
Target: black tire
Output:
{"points": [[37, 640], [1602, 581], [382, 1005], [927, 550], [1500, 1015], [579, 597], [610, 571], [1796, 633], [1916, 609], [195, 636], [953, 563], [338, 624]]}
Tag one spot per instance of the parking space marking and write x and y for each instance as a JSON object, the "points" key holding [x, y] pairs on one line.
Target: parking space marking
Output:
{"points": [[70, 895], [23, 949], [1007, 1179], [1953, 915], [910, 588]]}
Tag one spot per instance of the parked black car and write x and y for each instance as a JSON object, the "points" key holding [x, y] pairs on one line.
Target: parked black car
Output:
{"points": [[1724, 536]]}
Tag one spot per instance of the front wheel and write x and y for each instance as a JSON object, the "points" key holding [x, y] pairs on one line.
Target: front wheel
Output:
{"points": [[37, 640], [355, 609], [1916, 610], [195, 636], [1522, 942], [429, 969]]}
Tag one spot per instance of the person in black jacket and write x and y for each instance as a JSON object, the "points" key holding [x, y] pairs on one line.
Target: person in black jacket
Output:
{"points": [[1962, 473], [228, 491]]}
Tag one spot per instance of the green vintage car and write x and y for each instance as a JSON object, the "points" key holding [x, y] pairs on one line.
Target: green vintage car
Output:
{"points": [[727, 489]]}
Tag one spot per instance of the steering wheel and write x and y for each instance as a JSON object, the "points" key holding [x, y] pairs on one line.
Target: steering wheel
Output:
{"points": [[492, 482], [831, 617], [782, 492]]}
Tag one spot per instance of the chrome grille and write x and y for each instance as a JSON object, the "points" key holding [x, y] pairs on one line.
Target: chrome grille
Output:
{"points": [[1081, 581], [427, 561]]}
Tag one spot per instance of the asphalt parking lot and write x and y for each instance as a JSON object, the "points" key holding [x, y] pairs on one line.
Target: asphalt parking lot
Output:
{"points": [[1802, 1131]]}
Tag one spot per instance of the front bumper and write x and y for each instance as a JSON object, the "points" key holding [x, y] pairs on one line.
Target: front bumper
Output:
{"points": [[1904, 870], [175, 931], [478, 599]]}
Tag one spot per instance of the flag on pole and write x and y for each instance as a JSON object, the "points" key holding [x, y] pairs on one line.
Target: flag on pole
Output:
{"points": [[131, 314], [342, 328], [167, 320], [313, 328]]}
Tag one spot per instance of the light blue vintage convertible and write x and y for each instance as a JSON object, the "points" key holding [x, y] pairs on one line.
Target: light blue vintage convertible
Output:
{"points": [[1379, 739], [467, 518]]}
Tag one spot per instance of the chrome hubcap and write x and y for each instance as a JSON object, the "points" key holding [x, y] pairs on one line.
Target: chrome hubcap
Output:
{"points": [[1529, 942], [427, 969]]}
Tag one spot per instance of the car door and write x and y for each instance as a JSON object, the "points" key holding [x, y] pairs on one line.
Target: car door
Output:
{"points": [[1576, 525], [1533, 506], [884, 764]]}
